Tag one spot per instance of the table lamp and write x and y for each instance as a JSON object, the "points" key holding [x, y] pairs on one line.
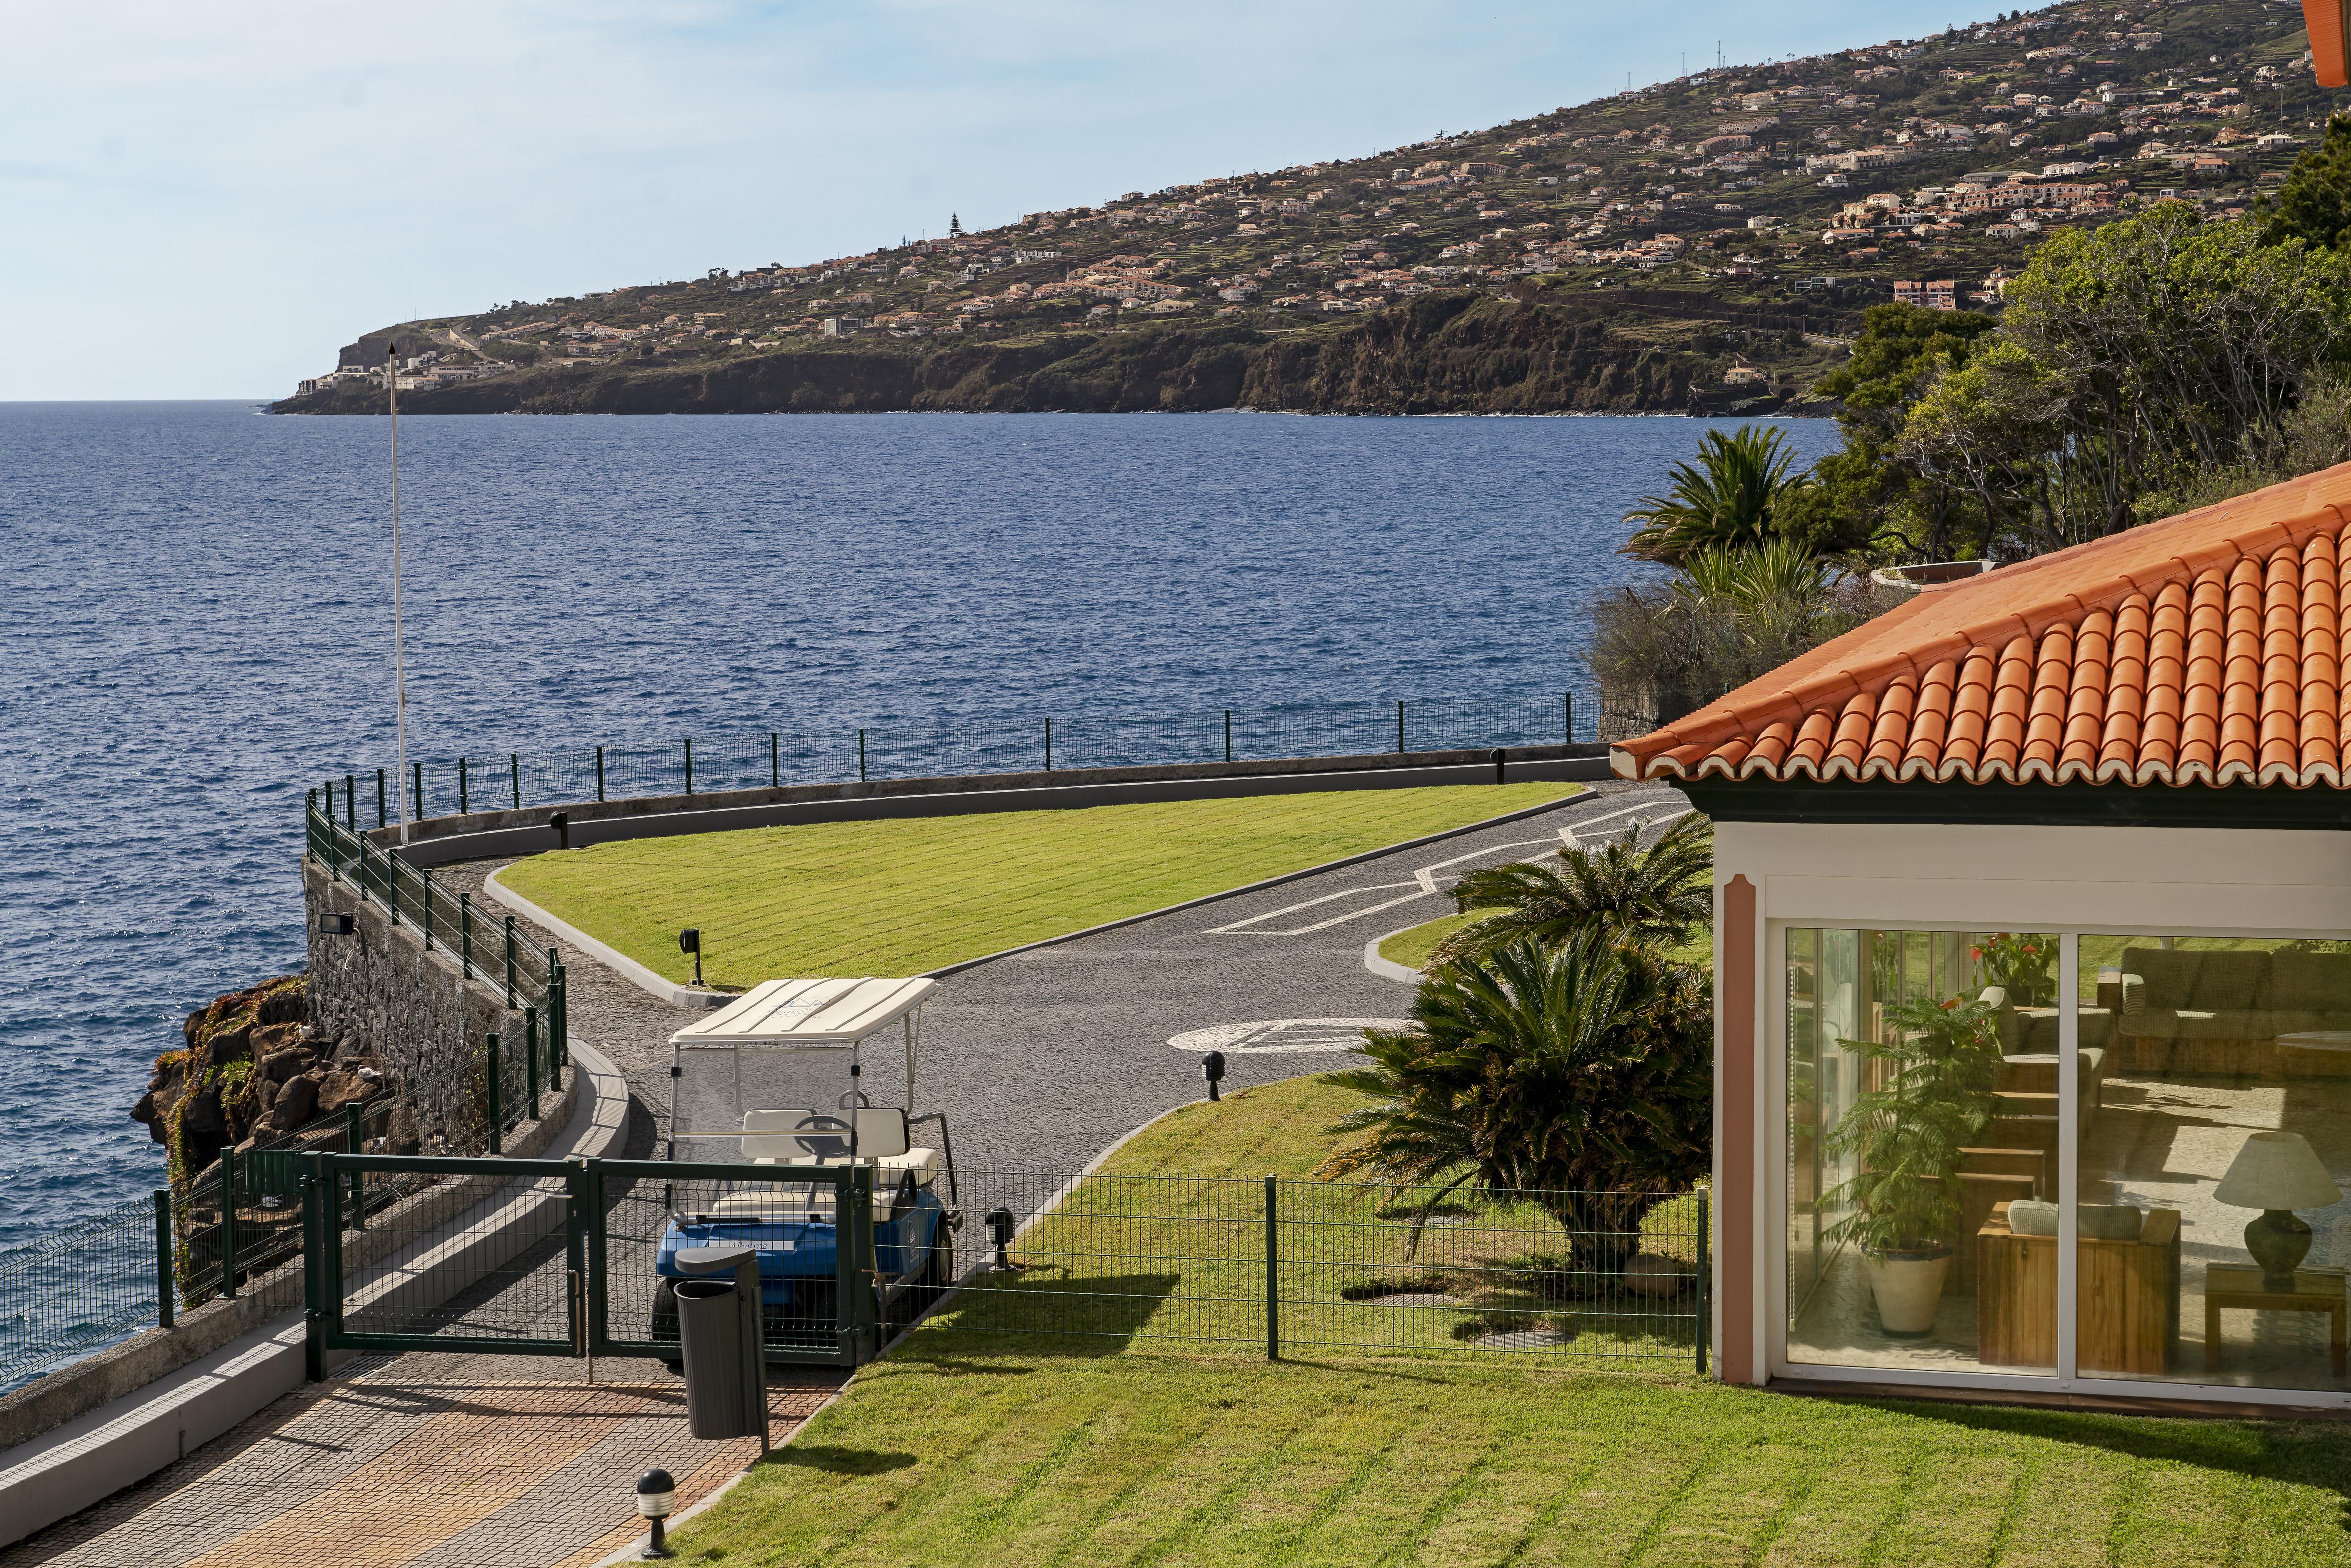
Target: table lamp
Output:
{"points": [[2277, 1173]]}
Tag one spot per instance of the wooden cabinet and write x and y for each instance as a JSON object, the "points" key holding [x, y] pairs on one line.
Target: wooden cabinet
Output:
{"points": [[2128, 1311]]}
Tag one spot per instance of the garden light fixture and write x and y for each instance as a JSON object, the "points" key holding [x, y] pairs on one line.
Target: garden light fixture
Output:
{"points": [[1212, 1068], [561, 823], [999, 1231], [331, 924], [690, 941], [656, 1495]]}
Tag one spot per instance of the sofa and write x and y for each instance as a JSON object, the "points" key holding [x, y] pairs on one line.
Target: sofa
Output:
{"points": [[2220, 1012]]}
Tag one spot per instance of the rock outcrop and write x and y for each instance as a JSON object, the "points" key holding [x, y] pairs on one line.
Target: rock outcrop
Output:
{"points": [[253, 1072]]}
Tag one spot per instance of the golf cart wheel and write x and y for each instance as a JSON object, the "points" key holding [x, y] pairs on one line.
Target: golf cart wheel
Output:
{"points": [[664, 1328]]}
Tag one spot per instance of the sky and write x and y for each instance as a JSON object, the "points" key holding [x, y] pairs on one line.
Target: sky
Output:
{"points": [[201, 199]]}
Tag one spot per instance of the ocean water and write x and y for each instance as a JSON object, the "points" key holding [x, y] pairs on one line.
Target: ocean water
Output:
{"points": [[194, 625]]}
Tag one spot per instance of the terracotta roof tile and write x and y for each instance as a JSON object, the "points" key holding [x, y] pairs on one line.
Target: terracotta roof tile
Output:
{"points": [[2204, 649]]}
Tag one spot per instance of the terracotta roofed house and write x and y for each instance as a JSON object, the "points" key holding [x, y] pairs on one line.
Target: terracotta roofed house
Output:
{"points": [[2100, 793]]}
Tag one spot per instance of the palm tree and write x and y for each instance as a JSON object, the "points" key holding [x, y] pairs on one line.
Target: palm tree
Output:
{"points": [[1726, 498], [1655, 895], [1580, 1075]]}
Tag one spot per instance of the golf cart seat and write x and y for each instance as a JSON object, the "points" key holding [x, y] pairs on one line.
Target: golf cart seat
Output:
{"points": [[802, 1137]]}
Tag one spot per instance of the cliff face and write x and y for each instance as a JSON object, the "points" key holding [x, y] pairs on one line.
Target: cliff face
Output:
{"points": [[1442, 353]]}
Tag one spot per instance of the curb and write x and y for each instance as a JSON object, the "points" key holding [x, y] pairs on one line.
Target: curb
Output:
{"points": [[621, 963], [1388, 969]]}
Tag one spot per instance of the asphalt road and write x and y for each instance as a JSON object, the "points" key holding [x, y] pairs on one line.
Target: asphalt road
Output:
{"points": [[1042, 1058]]}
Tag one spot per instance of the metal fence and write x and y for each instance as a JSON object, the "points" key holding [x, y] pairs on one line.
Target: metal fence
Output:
{"points": [[949, 748], [82, 1287], [1222, 1261]]}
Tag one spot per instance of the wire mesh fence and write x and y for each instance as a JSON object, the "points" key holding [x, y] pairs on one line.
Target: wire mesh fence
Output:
{"points": [[77, 1288], [478, 1259], [1217, 1261], [750, 759]]}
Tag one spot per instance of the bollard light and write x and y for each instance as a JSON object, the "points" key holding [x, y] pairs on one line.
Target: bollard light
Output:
{"points": [[561, 823], [656, 1495], [1212, 1068], [999, 1231], [690, 941], [334, 926]]}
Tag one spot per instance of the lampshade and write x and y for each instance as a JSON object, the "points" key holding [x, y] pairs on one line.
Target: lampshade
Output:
{"points": [[2277, 1170]]}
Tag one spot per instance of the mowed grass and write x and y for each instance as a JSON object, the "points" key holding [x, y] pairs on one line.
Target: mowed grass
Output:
{"points": [[904, 896], [976, 1448], [1412, 947]]}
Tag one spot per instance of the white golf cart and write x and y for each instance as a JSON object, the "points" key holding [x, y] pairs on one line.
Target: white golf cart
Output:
{"points": [[775, 1081]]}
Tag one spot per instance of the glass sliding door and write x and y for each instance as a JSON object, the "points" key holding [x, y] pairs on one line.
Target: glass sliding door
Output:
{"points": [[2215, 1233], [1904, 1134]]}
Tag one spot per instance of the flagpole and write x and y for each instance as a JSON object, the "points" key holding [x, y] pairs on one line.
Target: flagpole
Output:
{"points": [[399, 652]]}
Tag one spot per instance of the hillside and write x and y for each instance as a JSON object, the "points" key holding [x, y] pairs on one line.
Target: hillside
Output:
{"points": [[1699, 243]]}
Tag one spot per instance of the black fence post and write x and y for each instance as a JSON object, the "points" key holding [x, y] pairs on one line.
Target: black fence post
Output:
{"points": [[416, 795], [464, 804], [1705, 1292], [1048, 745], [513, 770], [600, 773], [355, 1143], [165, 1294], [424, 905], [1567, 714], [1228, 735], [510, 963], [861, 757], [351, 801], [228, 1222], [774, 760], [380, 817], [490, 1044], [689, 765], [1272, 1278], [1399, 726], [314, 1312], [558, 1024], [464, 936]]}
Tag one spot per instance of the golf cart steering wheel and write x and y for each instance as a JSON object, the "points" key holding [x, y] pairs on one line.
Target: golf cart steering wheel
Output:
{"points": [[824, 1137]]}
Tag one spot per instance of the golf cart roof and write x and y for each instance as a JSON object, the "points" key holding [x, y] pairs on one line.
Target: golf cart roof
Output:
{"points": [[806, 1013]]}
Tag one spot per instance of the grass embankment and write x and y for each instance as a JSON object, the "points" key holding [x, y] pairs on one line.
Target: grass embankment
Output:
{"points": [[1411, 948], [974, 1447], [907, 894]]}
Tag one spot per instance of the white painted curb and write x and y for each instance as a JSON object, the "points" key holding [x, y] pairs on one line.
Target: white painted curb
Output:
{"points": [[628, 968], [120, 1444], [1388, 969]]}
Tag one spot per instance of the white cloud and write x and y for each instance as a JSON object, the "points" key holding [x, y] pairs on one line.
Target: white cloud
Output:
{"points": [[207, 199]]}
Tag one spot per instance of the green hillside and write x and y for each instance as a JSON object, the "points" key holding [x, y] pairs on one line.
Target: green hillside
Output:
{"points": [[1699, 243]]}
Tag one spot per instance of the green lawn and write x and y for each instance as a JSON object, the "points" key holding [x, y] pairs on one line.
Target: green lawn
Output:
{"points": [[908, 895], [1411, 948], [977, 1447]]}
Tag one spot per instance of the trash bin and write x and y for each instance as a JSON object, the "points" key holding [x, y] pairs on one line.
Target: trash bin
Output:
{"points": [[718, 1330]]}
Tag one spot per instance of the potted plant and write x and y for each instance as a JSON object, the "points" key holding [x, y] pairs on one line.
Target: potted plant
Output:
{"points": [[1902, 1207], [2019, 962]]}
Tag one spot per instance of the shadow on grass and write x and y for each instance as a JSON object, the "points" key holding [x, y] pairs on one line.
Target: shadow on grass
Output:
{"points": [[2297, 1452], [833, 1460], [1096, 1314]]}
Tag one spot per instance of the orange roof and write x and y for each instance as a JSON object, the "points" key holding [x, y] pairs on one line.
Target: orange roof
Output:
{"points": [[2327, 24], [2202, 649]]}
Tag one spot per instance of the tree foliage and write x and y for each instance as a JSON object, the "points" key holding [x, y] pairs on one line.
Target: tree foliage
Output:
{"points": [[2314, 205]]}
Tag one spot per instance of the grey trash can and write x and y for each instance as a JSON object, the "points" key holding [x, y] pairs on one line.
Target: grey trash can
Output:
{"points": [[718, 1330]]}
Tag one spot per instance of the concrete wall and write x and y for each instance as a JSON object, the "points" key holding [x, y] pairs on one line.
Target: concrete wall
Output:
{"points": [[425, 1023]]}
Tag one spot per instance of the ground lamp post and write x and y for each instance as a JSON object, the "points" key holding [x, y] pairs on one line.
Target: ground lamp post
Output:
{"points": [[656, 1495], [999, 1231], [1212, 1068], [2277, 1173], [690, 941]]}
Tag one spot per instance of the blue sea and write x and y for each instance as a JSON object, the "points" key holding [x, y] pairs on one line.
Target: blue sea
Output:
{"points": [[194, 625]]}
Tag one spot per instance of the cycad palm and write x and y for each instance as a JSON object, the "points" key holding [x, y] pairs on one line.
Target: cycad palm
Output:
{"points": [[1653, 894], [1577, 1072], [1726, 499]]}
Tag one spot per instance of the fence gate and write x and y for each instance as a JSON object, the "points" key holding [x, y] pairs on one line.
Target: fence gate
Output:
{"points": [[560, 1258]]}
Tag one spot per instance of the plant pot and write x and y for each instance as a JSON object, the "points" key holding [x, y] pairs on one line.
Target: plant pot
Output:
{"points": [[1908, 1286]]}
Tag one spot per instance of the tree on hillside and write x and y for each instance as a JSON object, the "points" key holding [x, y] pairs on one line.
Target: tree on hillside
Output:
{"points": [[1731, 496], [2314, 205], [1866, 494], [2132, 358], [954, 226], [1582, 1073]]}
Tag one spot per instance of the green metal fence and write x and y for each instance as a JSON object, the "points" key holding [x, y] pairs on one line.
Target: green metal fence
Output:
{"points": [[707, 763], [83, 1286]]}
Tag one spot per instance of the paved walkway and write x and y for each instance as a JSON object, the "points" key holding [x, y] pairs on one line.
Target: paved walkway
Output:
{"points": [[1040, 1059]]}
